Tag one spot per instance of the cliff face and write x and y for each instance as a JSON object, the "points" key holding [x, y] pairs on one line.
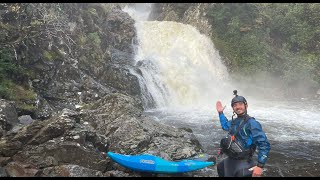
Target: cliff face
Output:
{"points": [[77, 60], [187, 13], [73, 53]]}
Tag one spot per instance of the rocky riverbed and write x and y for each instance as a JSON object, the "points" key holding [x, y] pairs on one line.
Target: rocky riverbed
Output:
{"points": [[68, 144]]}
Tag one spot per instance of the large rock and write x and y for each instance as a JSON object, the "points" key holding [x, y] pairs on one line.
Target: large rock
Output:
{"points": [[8, 116], [58, 140], [196, 16], [122, 79], [120, 34], [63, 150], [109, 109], [35, 133], [128, 132], [18, 169], [65, 88], [69, 171], [187, 13], [116, 173], [120, 27], [25, 119]]}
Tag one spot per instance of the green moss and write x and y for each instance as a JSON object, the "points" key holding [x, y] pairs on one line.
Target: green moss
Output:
{"points": [[31, 74], [28, 107], [23, 97], [9, 73], [93, 11], [50, 55], [95, 38], [108, 6], [87, 106], [7, 27], [4, 91], [36, 23], [82, 40], [20, 93]]}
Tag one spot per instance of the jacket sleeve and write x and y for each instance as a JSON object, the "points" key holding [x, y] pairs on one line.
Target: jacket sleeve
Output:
{"points": [[259, 138], [225, 124]]}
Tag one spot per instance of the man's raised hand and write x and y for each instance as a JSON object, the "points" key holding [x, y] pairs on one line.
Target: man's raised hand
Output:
{"points": [[219, 106]]}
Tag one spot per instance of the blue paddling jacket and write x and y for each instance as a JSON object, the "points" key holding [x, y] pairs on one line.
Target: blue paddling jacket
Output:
{"points": [[249, 135]]}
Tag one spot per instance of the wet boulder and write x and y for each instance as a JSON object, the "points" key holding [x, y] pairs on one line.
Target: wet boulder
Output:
{"points": [[121, 79], [120, 30]]}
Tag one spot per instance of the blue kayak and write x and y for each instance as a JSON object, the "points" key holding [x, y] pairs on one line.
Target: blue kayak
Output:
{"points": [[154, 164]]}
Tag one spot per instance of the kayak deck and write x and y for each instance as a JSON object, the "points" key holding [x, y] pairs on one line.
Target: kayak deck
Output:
{"points": [[154, 164]]}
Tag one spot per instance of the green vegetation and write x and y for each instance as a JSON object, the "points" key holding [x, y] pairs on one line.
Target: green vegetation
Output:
{"points": [[7, 70], [50, 55], [278, 39], [94, 37], [10, 75]]}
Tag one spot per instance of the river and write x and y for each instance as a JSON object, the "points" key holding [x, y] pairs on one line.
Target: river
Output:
{"points": [[292, 128]]}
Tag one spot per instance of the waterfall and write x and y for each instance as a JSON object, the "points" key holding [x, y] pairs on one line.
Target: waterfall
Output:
{"points": [[179, 66]]}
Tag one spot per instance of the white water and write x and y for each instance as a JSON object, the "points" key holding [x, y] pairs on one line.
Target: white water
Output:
{"points": [[138, 11], [183, 74], [187, 67]]}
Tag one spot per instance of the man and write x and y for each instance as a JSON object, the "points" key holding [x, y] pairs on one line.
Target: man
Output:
{"points": [[245, 136]]}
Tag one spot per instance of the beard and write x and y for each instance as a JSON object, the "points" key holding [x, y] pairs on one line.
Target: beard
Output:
{"points": [[240, 112]]}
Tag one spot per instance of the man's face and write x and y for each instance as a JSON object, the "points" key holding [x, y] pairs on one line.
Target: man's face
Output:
{"points": [[239, 108]]}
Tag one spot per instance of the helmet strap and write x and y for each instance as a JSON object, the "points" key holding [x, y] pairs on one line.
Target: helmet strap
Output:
{"points": [[234, 113]]}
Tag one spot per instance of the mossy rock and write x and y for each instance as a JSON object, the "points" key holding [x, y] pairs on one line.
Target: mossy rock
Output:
{"points": [[25, 98], [26, 109], [50, 55]]}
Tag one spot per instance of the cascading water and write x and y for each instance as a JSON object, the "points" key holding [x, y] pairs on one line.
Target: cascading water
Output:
{"points": [[180, 67], [182, 77], [187, 68]]}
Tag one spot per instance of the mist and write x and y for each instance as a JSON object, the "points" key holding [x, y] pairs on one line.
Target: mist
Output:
{"points": [[265, 86]]}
